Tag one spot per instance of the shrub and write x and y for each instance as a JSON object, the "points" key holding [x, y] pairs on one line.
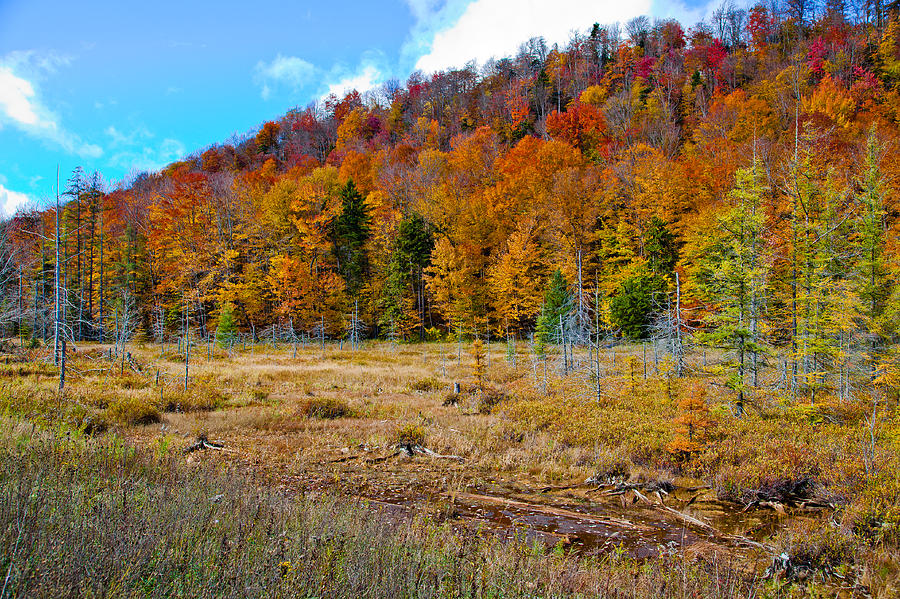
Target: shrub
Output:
{"points": [[611, 466], [812, 545], [131, 409], [410, 434], [327, 408], [875, 514], [427, 384], [199, 398], [86, 419], [693, 423], [130, 380], [226, 330], [488, 397]]}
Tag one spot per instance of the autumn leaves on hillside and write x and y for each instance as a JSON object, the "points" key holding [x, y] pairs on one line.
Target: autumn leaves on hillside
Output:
{"points": [[740, 173]]}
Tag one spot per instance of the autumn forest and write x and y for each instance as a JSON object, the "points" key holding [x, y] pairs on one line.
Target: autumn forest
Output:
{"points": [[724, 196]]}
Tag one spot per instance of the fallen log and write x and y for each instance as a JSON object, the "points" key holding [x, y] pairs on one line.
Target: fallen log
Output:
{"points": [[203, 443], [737, 539], [384, 458], [549, 510], [346, 458], [641, 496], [549, 488], [412, 450]]}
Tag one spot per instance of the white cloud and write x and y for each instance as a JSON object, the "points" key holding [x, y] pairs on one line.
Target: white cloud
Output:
{"points": [[136, 152], [287, 71], [16, 96], [688, 17], [171, 149], [10, 201], [422, 9], [21, 106], [119, 138], [371, 71], [135, 149], [495, 28], [367, 77], [459, 31]]}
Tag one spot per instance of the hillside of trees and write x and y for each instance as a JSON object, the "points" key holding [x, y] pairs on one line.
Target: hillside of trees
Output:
{"points": [[733, 184]]}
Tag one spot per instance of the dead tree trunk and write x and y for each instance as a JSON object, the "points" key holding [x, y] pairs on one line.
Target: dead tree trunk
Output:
{"points": [[59, 339], [187, 342], [56, 286], [100, 298], [679, 350]]}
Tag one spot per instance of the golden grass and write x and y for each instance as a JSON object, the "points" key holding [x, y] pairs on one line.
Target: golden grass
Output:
{"points": [[292, 417], [327, 408], [129, 410]]}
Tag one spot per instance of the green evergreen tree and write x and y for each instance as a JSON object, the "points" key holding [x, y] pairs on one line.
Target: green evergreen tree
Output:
{"points": [[822, 260], [637, 300], [732, 276], [393, 298], [404, 283], [661, 247], [226, 330], [350, 231], [415, 241], [873, 283], [556, 309]]}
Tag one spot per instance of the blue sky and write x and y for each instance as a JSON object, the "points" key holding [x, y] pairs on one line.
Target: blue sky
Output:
{"points": [[123, 87]]}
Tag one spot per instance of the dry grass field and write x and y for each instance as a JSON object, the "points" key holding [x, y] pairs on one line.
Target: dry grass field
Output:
{"points": [[522, 476]]}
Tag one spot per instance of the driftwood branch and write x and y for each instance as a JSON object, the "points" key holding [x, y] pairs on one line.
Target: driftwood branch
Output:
{"points": [[203, 443], [414, 449], [411, 449]]}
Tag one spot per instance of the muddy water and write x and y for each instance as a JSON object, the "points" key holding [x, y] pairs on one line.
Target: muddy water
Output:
{"points": [[584, 518], [588, 529], [639, 525]]}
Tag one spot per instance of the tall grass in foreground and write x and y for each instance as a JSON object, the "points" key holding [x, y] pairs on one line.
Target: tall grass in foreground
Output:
{"points": [[88, 517]]}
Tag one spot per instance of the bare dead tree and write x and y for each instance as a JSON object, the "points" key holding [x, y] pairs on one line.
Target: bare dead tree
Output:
{"points": [[159, 327], [126, 324], [668, 330], [187, 340], [59, 325], [11, 307], [355, 327]]}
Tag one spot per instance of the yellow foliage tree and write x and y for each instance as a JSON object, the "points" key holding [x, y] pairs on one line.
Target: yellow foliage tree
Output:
{"points": [[832, 101], [515, 281]]}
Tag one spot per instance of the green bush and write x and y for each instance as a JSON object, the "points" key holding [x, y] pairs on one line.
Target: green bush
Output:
{"points": [[226, 330]]}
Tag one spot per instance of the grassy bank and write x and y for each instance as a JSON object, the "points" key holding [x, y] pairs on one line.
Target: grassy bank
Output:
{"points": [[83, 517], [330, 420]]}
